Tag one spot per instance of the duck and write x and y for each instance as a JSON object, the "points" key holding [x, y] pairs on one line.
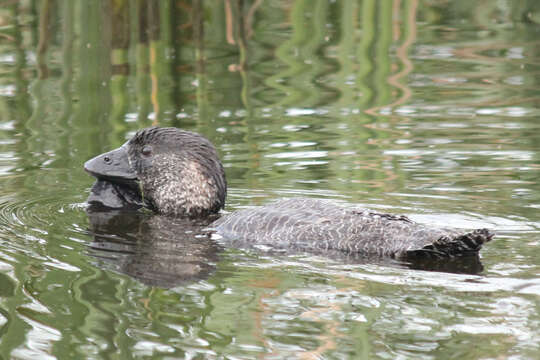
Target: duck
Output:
{"points": [[178, 173]]}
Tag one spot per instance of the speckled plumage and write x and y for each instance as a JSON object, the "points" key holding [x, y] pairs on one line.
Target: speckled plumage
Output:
{"points": [[182, 176], [311, 224]]}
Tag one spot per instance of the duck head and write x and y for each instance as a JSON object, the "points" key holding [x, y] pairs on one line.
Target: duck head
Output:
{"points": [[175, 172]]}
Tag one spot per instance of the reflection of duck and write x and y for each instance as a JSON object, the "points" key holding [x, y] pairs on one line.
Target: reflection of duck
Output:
{"points": [[178, 173], [157, 250]]}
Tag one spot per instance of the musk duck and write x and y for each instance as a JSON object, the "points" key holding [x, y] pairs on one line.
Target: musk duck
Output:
{"points": [[178, 173]]}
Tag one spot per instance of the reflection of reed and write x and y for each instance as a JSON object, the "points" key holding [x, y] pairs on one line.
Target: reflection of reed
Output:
{"points": [[155, 57], [301, 56], [44, 37], [328, 340], [23, 107], [483, 76], [267, 293], [67, 62], [366, 64], [402, 54], [142, 79], [120, 37], [239, 21]]}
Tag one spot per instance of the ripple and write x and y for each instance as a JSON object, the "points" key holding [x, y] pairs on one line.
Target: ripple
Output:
{"points": [[34, 217], [34, 212]]}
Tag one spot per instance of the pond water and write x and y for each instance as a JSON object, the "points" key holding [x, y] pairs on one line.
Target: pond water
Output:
{"points": [[426, 108]]}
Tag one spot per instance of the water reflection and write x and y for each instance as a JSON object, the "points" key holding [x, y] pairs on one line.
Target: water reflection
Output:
{"points": [[155, 250], [427, 108]]}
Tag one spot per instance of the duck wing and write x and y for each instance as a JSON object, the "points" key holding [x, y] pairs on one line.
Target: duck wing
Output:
{"points": [[318, 225]]}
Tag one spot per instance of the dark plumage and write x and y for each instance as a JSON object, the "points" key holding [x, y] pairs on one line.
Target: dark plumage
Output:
{"points": [[178, 173], [321, 226]]}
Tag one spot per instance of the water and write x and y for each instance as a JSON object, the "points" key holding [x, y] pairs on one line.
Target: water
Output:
{"points": [[423, 108]]}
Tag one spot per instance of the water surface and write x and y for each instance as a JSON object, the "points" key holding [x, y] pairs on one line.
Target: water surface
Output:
{"points": [[424, 108]]}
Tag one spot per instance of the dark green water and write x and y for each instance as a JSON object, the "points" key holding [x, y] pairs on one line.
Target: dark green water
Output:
{"points": [[426, 108]]}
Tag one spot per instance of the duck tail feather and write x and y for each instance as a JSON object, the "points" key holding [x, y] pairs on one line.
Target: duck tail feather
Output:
{"points": [[450, 246]]}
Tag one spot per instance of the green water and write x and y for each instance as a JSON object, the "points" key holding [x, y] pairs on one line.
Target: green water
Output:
{"points": [[424, 108]]}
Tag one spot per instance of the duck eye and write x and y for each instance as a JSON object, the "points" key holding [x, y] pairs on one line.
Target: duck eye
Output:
{"points": [[147, 150]]}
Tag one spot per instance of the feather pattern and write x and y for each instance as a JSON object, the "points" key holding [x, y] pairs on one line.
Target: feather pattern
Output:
{"points": [[311, 224]]}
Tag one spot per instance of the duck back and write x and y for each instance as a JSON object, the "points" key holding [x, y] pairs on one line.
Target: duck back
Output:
{"points": [[318, 225]]}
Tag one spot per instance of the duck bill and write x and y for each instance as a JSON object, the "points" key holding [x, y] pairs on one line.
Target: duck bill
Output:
{"points": [[113, 166]]}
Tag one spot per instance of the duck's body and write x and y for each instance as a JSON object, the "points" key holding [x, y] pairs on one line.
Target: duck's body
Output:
{"points": [[178, 173], [311, 224]]}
